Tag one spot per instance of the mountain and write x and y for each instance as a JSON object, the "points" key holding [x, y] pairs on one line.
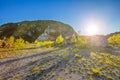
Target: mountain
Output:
{"points": [[36, 30]]}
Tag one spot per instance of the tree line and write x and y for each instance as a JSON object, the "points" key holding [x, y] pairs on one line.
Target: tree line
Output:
{"points": [[76, 40]]}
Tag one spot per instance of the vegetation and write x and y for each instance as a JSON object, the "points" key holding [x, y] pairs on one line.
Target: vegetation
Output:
{"points": [[13, 43], [90, 78], [59, 39], [79, 41], [64, 63], [110, 78], [36, 70], [73, 40], [77, 55], [72, 62], [96, 71], [31, 30], [114, 40], [19, 43], [45, 44]]}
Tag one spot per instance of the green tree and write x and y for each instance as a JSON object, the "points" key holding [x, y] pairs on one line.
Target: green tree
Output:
{"points": [[59, 39]]}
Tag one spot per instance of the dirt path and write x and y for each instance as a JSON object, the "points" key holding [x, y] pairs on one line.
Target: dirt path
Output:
{"points": [[11, 65], [58, 64]]}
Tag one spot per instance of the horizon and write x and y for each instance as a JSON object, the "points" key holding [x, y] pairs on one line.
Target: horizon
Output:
{"points": [[77, 13]]}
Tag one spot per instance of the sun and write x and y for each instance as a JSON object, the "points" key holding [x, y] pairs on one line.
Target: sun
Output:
{"points": [[92, 29], [92, 26]]}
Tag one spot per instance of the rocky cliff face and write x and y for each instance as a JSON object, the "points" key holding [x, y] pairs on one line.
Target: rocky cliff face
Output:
{"points": [[36, 30], [46, 35]]}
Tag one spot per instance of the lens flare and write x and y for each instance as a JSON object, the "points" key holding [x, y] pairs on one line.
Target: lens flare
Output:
{"points": [[92, 29]]}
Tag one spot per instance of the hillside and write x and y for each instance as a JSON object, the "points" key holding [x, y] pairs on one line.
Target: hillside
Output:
{"points": [[36, 30], [99, 40]]}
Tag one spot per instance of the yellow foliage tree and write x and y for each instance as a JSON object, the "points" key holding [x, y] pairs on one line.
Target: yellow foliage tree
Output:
{"points": [[81, 40], [59, 39], [114, 40], [19, 43], [73, 40], [11, 41], [3, 43]]}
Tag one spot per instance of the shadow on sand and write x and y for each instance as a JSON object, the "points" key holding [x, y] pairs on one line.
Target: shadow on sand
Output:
{"points": [[60, 64], [31, 56]]}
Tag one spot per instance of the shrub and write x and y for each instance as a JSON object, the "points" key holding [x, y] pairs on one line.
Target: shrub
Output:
{"points": [[3, 43], [77, 55], [96, 71], [45, 43], [114, 40], [83, 59], [36, 70], [89, 78], [11, 41], [109, 78], [81, 41], [59, 39], [59, 78], [19, 43], [73, 40]]}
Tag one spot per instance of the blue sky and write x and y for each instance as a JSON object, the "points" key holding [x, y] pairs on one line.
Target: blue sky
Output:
{"points": [[77, 13]]}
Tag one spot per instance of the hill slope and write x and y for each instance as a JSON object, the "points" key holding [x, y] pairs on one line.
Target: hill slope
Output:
{"points": [[99, 40], [36, 30]]}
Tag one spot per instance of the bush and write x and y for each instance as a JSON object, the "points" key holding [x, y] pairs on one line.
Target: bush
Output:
{"points": [[73, 40], [59, 39], [45, 44], [19, 43], [4, 43], [81, 42], [11, 41], [114, 40], [96, 71], [77, 55], [109, 78], [89, 78]]}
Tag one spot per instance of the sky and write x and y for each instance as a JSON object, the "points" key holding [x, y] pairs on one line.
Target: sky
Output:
{"points": [[105, 14]]}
